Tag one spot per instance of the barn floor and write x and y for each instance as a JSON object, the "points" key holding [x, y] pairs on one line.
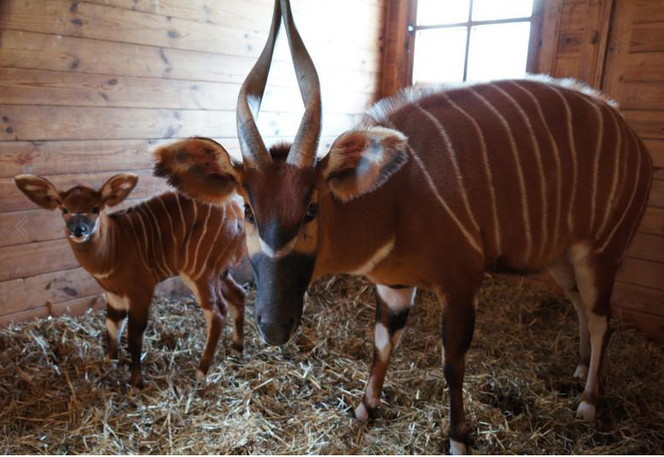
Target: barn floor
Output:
{"points": [[57, 395]]}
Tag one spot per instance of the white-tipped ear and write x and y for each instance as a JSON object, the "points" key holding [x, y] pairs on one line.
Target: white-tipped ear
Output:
{"points": [[117, 188], [361, 161], [198, 167], [39, 190]]}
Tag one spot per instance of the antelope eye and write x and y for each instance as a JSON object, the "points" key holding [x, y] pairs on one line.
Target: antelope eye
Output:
{"points": [[95, 210], [65, 210], [248, 214], [311, 213]]}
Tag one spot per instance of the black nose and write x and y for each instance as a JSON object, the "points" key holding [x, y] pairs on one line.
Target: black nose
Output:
{"points": [[80, 231], [276, 333]]}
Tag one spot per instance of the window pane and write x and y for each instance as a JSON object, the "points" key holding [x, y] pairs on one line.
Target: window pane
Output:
{"points": [[498, 51], [487, 10], [438, 12], [439, 55]]}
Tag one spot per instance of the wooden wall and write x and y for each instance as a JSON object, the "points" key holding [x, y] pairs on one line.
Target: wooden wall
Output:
{"points": [[87, 88], [618, 46]]}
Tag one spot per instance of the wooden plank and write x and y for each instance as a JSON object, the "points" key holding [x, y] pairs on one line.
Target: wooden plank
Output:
{"points": [[246, 15], [652, 326], [616, 57], [643, 273], [91, 156], [25, 293], [648, 124], [39, 258], [11, 199], [66, 157], [647, 247], [570, 43], [642, 95], [396, 64], [34, 87], [355, 71], [657, 194], [648, 11], [550, 37], [638, 298], [644, 67], [656, 148], [653, 221], [99, 22], [30, 123], [68, 308], [647, 38]]}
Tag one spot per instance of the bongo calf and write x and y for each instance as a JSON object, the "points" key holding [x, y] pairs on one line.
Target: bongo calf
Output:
{"points": [[129, 252]]}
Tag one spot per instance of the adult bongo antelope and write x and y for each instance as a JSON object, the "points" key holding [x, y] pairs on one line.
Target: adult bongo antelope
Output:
{"points": [[129, 252], [433, 190]]}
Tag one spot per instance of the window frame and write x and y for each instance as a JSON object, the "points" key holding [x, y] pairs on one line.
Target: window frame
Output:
{"points": [[534, 42]]}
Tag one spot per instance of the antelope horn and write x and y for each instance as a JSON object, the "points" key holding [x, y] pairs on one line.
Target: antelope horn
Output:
{"points": [[254, 152], [303, 151]]}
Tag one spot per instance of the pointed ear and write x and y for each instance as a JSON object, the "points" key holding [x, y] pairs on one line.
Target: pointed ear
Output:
{"points": [[117, 188], [39, 190], [199, 167], [361, 161]]}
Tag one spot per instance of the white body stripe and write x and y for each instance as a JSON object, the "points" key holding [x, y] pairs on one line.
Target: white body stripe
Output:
{"points": [[614, 181], [139, 248], [473, 242], [375, 259], [556, 157], [631, 200], [214, 242], [487, 170], [170, 223], [145, 240], [572, 145], [519, 169], [540, 169], [455, 164], [598, 150], [155, 259], [161, 241], [188, 239], [200, 239]]}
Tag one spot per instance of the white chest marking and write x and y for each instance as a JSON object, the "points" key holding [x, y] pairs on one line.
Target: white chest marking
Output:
{"points": [[375, 259]]}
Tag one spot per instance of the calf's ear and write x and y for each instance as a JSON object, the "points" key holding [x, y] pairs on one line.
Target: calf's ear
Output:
{"points": [[39, 190], [199, 167], [117, 188], [360, 161]]}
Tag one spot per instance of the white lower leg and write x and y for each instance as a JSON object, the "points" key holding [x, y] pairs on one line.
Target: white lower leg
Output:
{"points": [[581, 371], [458, 448], [598, 326], [114, 330], [235, 314], [200, 375]]}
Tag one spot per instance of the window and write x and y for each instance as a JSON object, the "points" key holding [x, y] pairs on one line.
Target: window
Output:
{"points": [[471, 40]]}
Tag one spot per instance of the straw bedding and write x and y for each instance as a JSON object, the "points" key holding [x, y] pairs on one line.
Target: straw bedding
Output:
{"points": [[58, 395]]}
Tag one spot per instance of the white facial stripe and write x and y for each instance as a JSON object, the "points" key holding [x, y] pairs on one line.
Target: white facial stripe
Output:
{"points": [[268, 251]]}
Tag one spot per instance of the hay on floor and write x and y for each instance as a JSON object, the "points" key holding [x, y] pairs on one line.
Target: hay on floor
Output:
{"points": [[58, 395]]}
